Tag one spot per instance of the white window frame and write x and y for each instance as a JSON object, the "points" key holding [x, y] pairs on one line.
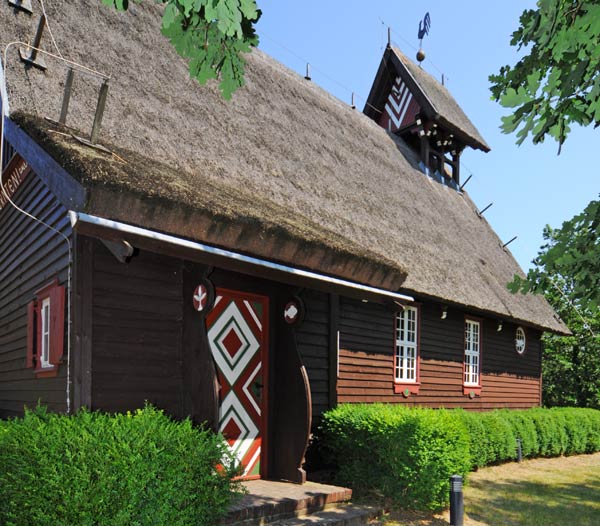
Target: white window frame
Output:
{"points": [[520, 348], [45, 334], [406, 355], [472, 360]]}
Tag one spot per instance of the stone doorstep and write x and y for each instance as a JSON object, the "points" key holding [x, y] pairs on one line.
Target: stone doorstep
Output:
{"points": [[269, 501], [344, 515]]}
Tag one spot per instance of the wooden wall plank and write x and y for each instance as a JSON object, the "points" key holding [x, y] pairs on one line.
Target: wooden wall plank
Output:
{"points": [[366, 360], [30, 257], [313, 341], [137, 326]]}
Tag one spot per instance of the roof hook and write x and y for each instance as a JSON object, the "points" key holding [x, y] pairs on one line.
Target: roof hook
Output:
{"points": [[29, 54], [23, 5]]}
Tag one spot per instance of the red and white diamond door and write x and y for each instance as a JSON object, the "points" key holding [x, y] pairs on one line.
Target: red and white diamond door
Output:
{"points": [[238, 337]]}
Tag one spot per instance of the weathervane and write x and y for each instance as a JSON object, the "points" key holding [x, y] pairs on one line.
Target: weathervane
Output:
{"points": [[424, 26]]}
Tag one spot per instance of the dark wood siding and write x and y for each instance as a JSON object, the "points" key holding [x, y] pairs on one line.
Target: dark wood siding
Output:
{"points": [[366, 352], [313, 344], [366, 360], [31, 256], [137, 332]]}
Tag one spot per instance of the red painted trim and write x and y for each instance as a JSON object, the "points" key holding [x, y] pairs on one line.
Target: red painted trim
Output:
{"points": [[400, 386], [56, 294], [57, 324], [468, 388], [251, 477], [31, 334], [264, 301]]}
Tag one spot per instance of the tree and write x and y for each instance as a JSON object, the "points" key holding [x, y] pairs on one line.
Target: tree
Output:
{"points": [[558, 82], [211, 34], [571, 364], [571, 253], [567, 272]]}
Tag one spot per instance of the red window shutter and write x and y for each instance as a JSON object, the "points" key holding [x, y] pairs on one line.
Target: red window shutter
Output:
{"points": [[31, 333], [57, 323]]}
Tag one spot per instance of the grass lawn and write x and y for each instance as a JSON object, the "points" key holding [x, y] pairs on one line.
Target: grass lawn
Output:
{"points": [[542, 492]]}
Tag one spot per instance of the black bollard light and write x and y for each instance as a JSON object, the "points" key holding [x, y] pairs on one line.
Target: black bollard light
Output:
{"points": [[457, 505], [519, 450]]}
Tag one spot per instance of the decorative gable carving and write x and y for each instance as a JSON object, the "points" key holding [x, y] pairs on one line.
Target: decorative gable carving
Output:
{"points": [[401, 108]]}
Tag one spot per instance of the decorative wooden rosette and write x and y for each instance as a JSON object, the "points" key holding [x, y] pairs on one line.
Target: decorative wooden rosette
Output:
{"points": [[294, 311], [204, 296]]}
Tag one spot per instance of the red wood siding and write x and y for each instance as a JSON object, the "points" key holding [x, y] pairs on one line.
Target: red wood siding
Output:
{"points": [[30, 258], [367, 354]]}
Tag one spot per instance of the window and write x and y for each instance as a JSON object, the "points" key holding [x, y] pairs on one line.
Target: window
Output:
{"points": [[472, 366], [520, 340], [406, 360], [45, 334], [45, 330]]}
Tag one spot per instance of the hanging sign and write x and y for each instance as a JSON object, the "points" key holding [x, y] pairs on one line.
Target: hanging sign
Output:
{"points": [[293, 312], [15, 173]]}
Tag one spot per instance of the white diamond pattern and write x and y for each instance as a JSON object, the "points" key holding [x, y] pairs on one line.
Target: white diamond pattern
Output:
{"points": [[231, 409], [232, 319]]}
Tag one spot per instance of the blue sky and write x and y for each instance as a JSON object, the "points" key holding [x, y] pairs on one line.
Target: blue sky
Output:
{"points": [[530, 186]]}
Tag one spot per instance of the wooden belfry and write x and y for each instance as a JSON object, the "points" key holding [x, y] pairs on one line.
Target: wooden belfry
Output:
{"points": [[410, 103]]}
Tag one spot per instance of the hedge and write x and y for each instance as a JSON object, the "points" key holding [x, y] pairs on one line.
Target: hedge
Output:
{"points": [[97, 469], [407, 455]]}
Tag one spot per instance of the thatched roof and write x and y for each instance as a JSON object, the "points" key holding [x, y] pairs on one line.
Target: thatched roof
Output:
{"points": [[317, 168]]}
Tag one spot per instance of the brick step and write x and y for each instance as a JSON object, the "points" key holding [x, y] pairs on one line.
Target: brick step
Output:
{"points": [[268, 502], [342, 515]]}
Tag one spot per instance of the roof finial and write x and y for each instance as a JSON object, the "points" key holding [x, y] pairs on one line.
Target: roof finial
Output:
{"points": [[424, 26]]}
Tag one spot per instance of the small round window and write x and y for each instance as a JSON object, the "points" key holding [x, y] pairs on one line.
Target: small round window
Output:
{"points": [[520, 340]]}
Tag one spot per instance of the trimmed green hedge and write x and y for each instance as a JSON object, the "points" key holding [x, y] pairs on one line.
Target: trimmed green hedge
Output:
{"points": [[98, 469], [408, 454]]}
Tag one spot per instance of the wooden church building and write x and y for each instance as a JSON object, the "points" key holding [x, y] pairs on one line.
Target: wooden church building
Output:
{"points": [[249, 263]]}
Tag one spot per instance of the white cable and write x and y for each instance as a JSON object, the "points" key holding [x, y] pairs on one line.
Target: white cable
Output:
{"points": [[6, 114], [49, 29], [80, 67]]}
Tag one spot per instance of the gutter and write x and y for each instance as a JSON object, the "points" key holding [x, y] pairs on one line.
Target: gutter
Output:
{"points": [[3, 93], [79, 219]]}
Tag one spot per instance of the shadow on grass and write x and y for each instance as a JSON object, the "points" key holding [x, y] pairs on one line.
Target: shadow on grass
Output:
{"points": [[529, 503], [410, 518]]}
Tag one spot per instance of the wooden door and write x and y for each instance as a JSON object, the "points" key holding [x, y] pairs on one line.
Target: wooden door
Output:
{"points": [[238, 337]]}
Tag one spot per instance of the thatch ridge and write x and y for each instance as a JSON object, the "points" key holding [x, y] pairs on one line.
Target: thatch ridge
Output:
{"points": [[282, 139]]}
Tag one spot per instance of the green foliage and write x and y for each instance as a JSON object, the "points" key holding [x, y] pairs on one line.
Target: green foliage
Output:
{"points": [[492, 439], [93, 469], [570, 253], [407, 455], [567, 272], [557, 82], [211, 34]]}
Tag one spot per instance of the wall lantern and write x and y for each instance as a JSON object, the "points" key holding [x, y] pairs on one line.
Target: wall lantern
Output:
{"points": [[444, 312], [499, 326]]}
